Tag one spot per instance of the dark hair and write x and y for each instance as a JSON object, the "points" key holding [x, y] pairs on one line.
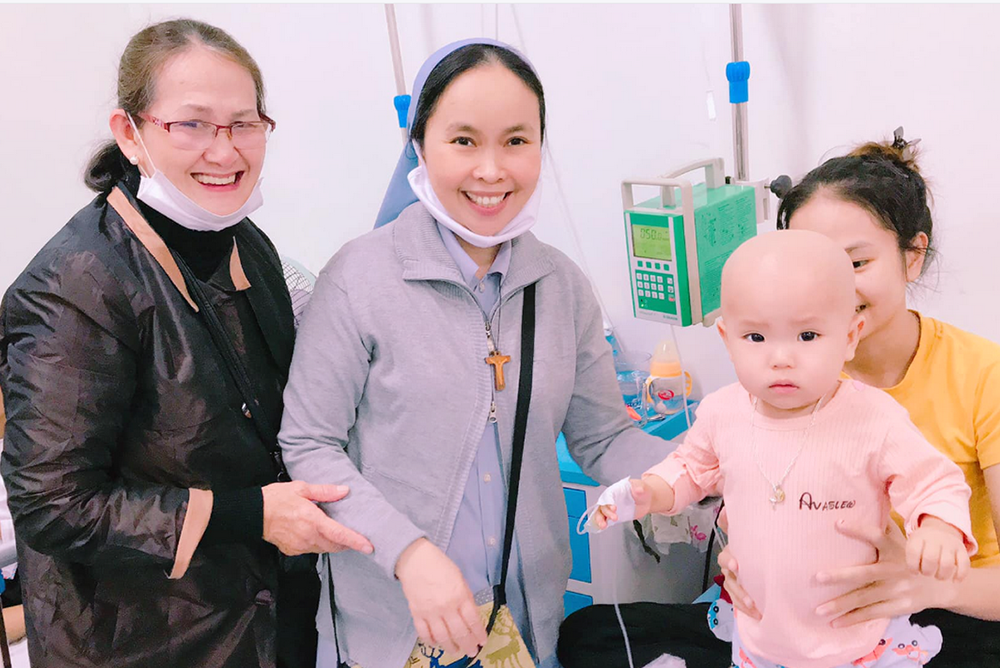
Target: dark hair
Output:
{"points": [[462, 60], [881, 178], [140, 63]]}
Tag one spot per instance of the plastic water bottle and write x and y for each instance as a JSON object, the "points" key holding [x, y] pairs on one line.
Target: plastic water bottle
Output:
{"points": [[632, 369], [667, 386]]}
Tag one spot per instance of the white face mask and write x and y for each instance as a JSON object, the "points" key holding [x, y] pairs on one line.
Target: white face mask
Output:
{"points": [[521, 223], [160, 193]]}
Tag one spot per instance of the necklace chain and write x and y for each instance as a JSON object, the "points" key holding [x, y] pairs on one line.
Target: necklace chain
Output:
{"points": [[777, 492], [499, 319]]}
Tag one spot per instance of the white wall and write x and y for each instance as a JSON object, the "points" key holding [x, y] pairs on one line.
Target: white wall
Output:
{"points": [[625, 90], [861, 70]]}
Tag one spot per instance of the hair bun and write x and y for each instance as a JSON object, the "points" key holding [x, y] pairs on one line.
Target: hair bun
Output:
{"points": [[899, 151]]}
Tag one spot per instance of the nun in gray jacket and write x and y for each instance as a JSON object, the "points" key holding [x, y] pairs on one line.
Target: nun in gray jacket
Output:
{"points": [[399, 386]]}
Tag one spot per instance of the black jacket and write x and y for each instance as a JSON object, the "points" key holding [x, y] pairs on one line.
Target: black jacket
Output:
{"points": [[117, 404]]}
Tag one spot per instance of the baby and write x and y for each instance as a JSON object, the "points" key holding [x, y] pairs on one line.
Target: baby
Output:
{"points": [[793, 449]]}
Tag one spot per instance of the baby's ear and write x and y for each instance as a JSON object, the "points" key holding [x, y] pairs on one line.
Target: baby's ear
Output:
{"points": [[720, 326], [854, 335]]}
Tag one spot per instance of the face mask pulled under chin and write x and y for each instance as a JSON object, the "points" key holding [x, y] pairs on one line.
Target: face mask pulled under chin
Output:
{"points": [[521, 223], [159, 192]]}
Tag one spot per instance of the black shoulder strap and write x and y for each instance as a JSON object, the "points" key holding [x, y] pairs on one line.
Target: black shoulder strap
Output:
{"points": [[269, 297], [517, 455], [223, 343]]}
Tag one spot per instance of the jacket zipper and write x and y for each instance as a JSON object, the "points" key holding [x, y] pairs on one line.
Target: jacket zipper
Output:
{"points": [[492, 419]]}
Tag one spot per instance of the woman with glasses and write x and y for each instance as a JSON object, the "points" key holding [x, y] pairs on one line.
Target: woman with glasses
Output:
{"points": [[143, 355]]}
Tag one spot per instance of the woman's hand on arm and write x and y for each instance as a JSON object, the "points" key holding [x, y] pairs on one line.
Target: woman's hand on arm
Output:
{"points": [[886, 588], [741, 600], [327, 382], [296, 525], [730, 571]]}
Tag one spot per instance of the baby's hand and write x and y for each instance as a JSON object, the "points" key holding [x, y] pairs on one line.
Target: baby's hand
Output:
{"points": [[603, 515], [937, 548], [608, 512]]}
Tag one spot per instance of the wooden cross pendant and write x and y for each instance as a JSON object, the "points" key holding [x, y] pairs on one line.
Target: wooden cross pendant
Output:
{"points": [[496, 360]]}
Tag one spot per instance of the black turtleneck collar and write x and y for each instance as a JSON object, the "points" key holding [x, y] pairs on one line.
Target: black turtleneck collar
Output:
{"points": [[202, 251]]}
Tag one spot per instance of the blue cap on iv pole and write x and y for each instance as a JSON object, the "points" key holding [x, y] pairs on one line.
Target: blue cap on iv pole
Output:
{"points": [[402, 104], [738, 74]]}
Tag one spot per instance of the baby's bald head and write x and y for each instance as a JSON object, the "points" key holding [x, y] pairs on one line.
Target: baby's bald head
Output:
{"points": [[789, 266]]}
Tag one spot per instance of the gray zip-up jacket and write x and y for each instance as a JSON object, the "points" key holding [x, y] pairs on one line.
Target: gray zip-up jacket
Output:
{"points": [[388, 393]]}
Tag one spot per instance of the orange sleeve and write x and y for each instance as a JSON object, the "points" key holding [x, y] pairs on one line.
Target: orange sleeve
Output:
{"points": [[199, 511], [986, 417]]}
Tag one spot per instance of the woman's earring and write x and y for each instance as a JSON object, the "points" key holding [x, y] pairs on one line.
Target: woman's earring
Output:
{"points": [[134, 160]]}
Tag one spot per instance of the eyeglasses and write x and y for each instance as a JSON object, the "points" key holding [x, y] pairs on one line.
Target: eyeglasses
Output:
{"points": [[199, 135]]}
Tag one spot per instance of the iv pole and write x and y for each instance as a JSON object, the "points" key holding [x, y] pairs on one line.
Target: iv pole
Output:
{"points": [[738, 72], [402, 100]]}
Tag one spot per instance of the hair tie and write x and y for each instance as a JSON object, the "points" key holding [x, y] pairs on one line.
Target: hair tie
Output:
{"points": [[900, 144]]}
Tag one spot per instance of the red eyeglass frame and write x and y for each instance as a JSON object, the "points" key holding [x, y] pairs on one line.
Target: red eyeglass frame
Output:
{"points": [[228, 128]]}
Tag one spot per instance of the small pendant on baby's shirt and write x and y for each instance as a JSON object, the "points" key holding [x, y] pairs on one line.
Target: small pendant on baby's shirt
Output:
{"points": [[777, 497]]}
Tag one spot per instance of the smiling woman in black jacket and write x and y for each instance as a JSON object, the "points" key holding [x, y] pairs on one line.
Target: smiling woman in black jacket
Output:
{"points": [[141, 473]]}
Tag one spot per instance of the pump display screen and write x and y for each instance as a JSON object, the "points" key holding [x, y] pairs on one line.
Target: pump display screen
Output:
{"points": [[650, 242]]}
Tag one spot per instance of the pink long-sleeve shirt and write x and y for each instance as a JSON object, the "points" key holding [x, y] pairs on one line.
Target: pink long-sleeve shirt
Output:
{"points": [[861, 455]]}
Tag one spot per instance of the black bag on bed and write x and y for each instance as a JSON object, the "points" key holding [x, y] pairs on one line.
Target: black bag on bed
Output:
{"points": [[591, 637]]}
